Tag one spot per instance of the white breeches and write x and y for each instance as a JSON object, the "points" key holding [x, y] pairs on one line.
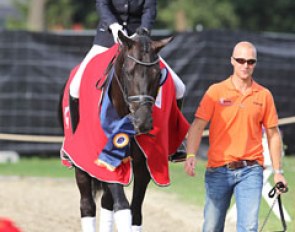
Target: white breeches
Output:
{"points": [[75, 83], [179, 85]]}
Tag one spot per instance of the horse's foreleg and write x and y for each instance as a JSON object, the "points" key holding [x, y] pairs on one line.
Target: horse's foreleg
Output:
{"points": [[141, 181], [106, 219], [122, 213], [87, 202]]}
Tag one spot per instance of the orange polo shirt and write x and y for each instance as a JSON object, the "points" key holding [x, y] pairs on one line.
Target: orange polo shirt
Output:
{"points": [[236, 121]]}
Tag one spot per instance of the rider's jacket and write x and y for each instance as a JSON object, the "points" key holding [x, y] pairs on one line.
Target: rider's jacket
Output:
{"points": [[131, 14]]}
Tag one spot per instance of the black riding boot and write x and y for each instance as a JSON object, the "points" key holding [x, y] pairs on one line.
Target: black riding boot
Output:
{"points": [[74, 112], [179, 103], [180, 154]]}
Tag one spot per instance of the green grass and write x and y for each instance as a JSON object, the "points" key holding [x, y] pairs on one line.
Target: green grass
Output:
{"points": [[188, 189], [43, 167]]}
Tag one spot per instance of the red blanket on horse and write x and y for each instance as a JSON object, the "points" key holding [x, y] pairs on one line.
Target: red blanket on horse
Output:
{"points": [[84, 146]]}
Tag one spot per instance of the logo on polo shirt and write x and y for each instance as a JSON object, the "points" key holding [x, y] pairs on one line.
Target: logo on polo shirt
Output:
{"points": [[225, 102], [258, 103]]}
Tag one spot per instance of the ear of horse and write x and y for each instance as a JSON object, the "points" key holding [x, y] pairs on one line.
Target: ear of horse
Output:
{"points": [[125, 39], [158, 45]]}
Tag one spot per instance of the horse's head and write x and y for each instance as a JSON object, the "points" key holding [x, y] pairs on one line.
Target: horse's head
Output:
{"points": [[138, 75]]}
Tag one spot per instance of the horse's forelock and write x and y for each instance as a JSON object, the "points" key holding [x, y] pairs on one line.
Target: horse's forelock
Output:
{"points": [[145, 44]]}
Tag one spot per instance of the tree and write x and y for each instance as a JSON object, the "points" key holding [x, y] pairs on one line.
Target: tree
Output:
{"points": [[209, 14], [266, 15], [36, 15], [19, 22], [59, 14]]}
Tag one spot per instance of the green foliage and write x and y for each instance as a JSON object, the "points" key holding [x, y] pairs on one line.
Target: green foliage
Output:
{"points": [[209, 14], [18, 23], [66, 13], [265, 15], [59, 15], [85, 13]]}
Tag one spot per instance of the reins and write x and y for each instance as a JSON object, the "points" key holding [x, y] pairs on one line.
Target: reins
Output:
{"points": [[275, 193]]}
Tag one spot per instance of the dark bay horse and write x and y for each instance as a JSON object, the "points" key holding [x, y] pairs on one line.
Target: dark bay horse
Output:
{"points": [[132, 90]]}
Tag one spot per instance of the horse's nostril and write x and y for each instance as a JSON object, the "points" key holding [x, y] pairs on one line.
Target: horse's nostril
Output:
{"points": [[145, 127]]}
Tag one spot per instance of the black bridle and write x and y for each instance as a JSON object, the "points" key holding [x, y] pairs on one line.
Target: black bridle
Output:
{"points": [[140, 99]]}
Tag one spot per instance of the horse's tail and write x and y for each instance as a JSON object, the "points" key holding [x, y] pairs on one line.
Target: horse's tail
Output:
{"points": [[96, 187], [59, 107]]}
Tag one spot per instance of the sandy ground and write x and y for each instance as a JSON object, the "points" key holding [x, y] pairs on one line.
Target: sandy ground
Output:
{"points": [[52, 205]]}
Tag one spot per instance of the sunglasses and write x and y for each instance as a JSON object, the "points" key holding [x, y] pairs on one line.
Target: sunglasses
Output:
{"points": [[243, 61]]}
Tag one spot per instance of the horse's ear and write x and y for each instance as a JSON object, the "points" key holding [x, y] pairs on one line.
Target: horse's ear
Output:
{"points": [[158, 45], [125, 39]]}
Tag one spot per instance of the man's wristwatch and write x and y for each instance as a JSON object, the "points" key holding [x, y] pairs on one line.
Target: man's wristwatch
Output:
{"points": [[278, 171]]}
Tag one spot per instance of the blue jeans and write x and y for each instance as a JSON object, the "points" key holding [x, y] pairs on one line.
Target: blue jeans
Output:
{"points": [[246, 185]]}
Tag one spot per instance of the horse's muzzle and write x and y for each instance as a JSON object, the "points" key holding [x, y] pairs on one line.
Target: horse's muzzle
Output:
{"points": [[143, 126]]}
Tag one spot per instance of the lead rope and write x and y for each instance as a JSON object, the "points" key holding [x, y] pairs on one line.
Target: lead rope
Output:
{"points": [[268, 214], [277, 197]]}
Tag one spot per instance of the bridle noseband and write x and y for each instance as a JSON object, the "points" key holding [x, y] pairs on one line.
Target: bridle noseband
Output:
{"points": [[144, 63]]}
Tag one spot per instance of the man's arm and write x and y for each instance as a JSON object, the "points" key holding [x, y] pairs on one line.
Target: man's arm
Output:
{"points": [[275, 151], [193, 142]]}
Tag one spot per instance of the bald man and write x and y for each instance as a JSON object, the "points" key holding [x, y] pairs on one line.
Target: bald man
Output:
{"points": [[238, 109]]}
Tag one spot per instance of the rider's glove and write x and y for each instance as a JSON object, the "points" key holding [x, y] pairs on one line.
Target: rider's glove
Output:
{"points": [[115, 28], [143, 31]]}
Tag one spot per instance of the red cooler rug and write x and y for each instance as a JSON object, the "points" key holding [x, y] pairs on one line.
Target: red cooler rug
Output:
{"points": [[101, 135]]}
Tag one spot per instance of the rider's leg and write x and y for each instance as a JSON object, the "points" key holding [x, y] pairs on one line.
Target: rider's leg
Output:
{"points": [[76, 81], [180, 154], [179, 103], [74, 112], [179, 85], [75, 85], [87, 203]]}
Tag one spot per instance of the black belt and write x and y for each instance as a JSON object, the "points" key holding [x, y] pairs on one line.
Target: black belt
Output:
{"points": [[240, 164]]}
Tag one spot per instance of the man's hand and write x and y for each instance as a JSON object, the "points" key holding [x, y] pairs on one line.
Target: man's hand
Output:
{"points": [[190, 165], [279, 178]]}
